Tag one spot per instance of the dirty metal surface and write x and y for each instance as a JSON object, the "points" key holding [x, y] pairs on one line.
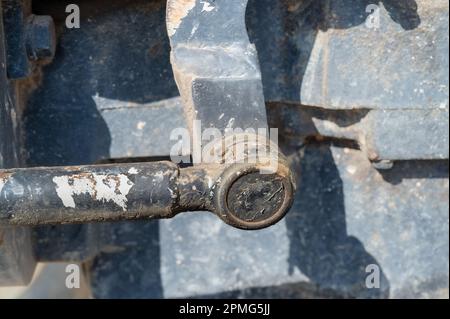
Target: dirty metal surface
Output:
{"points": [[110, 87], [217, 72], [215, 66], [237, 193], [119, 61], [394, 135], [346, 216], [327, 240], [349, 214], [399, 68], [87, 194], [404, 62], [17, 260], [74, 125], [146, 123], [14, 15]]}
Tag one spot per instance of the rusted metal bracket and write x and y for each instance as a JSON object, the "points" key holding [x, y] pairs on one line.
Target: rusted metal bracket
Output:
{"points": [[215, 65]]}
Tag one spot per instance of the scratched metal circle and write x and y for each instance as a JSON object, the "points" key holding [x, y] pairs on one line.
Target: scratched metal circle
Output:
{"points": [[256, 197], [248, 199]]}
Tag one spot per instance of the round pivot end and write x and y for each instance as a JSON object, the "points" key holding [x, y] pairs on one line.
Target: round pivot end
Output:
{"points": [[252, 199]]}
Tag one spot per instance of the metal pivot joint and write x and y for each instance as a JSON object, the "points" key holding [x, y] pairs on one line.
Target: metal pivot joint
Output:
{"points": [[217, 72]]}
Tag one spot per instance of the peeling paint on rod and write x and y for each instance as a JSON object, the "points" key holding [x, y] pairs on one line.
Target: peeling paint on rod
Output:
{"points": [[88, 193], [236, 193]]}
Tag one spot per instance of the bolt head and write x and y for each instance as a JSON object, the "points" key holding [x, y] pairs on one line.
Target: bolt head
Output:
{"points": [[41, 38]]}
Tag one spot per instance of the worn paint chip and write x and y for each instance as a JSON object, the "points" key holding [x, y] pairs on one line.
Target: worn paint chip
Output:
{"points": [[104, 188], [2, 184], [207, 7], [3, 180], [177, 10], [133, 171]]}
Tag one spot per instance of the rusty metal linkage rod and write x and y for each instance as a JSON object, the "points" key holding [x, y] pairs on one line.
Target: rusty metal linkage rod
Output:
{"points": [[238, 194]]}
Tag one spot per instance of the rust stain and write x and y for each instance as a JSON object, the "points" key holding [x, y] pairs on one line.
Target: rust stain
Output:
{"points": [[116, 180], [5, 175], [87, 176], [4, 178], [177, 10]]}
